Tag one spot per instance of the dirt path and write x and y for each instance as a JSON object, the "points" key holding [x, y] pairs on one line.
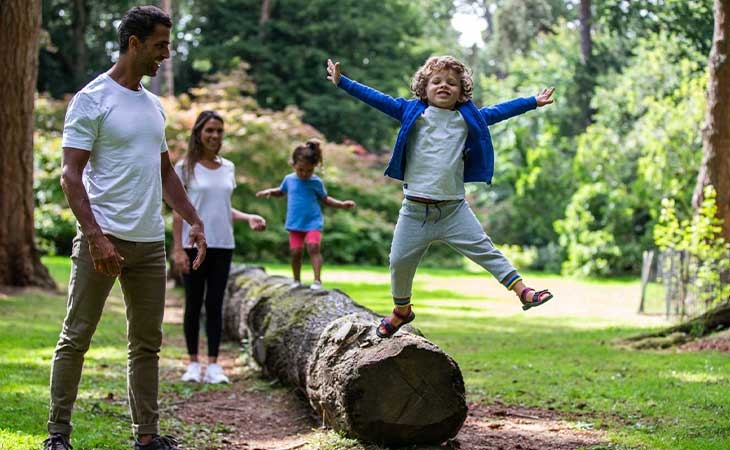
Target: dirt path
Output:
{"points": [[250, 415]]}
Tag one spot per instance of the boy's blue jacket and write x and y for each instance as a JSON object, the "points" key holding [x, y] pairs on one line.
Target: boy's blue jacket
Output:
{"points": [[479, 162]]}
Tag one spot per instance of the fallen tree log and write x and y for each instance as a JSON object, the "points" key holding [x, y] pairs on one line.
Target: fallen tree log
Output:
{"points": [[398, 391]]}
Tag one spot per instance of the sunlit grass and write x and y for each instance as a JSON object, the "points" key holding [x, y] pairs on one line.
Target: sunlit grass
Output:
{"points": [[556, 357]]}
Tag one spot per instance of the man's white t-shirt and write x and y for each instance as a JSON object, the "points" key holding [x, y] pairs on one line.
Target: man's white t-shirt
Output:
{"points": [[125, 132], [435, 158], [210, 192]]}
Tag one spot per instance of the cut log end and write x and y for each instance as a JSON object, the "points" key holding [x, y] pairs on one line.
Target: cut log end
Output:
{"points": [[397, 391], [416, 396]]}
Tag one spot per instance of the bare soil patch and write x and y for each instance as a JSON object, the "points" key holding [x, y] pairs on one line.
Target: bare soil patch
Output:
{"points": [[717, 341]]}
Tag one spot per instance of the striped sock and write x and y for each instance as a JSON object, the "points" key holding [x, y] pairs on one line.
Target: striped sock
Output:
{"points": [[403, 305], [511, 279]]}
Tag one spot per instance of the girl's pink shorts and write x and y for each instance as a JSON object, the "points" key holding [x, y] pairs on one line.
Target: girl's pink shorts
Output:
{"points": [[298, 238]]}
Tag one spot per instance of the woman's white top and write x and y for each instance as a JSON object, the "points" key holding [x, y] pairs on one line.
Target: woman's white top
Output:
{"points": [[210, 192]]}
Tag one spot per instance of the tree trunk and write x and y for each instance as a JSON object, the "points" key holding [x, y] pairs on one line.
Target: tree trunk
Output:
{"points": [[398, 391], [168, 73], [717, 319], [586, 22], [20, 23], [79, 24], [715, 168]]}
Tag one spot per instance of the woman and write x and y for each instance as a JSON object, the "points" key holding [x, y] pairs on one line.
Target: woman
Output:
{"points": [[209, 180]]}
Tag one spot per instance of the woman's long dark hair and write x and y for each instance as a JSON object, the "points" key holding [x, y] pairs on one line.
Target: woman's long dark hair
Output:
{"points": [[195, 145]]}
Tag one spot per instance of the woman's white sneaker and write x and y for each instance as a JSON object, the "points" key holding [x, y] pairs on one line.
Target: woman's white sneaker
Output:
{"points": [[214, 374], [192, 373]]}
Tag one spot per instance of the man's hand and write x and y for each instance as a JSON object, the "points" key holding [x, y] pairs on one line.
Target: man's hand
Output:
{"points": [[543, 98], [333, 72], [348, 204], [107, 259], [197, 237]]}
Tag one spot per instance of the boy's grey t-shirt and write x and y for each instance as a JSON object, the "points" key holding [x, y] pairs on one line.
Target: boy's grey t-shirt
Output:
{"points": [[125, 132], [435, 156]]}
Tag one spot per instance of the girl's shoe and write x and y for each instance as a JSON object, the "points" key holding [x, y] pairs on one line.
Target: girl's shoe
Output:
{"points": [[192, 373], [214, 374]]}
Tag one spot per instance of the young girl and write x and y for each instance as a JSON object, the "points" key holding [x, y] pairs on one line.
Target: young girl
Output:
{"points": [[443, 142], [209, 180], [305, 191]]}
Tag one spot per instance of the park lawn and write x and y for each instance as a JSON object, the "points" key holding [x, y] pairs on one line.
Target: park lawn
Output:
{"points": [[644, 399]]}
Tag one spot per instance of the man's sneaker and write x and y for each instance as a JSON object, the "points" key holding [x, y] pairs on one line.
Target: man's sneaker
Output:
{"points": [[214, 374], [315, 286], [159, 443], [192, 373], [57, 441]]}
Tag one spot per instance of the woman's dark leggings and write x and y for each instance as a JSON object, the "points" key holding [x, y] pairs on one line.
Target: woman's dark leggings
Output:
{"points": [[209, 283]]}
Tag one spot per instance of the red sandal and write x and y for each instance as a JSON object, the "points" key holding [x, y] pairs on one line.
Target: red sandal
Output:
{"points": [[537, 298], [389, 327]]}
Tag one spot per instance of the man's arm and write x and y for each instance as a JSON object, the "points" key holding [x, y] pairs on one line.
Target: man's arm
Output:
{"points": [[175, 196], [105, 256], [178, 252]]}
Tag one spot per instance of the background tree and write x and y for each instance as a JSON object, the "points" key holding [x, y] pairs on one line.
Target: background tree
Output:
{"points": [[715, 167], [377, 42], [20, 24]]}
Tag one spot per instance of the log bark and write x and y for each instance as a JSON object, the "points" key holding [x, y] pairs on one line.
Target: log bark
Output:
{"points": [[398, 391]]}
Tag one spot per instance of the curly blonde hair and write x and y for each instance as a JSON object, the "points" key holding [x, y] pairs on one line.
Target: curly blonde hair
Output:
{"points": [[437, 64]]}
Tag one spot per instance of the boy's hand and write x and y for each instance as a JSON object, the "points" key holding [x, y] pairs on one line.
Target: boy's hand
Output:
{"points": [[543, 98], [333, 72], [348, 204], [266, 193]]}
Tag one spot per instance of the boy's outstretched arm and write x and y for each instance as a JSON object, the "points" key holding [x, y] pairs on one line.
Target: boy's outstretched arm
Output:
{"points": [[333, 72], [544, 97]]}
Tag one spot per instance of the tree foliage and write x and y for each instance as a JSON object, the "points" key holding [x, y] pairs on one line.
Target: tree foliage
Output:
{"points": [[578, 185], [375, 41]]}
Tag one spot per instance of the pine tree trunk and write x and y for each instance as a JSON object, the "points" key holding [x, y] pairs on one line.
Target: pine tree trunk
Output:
{"points": [[20, 263], [398, 391]]}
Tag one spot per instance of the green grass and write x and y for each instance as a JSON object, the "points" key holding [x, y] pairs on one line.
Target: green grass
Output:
{"points": [[643, 399]]}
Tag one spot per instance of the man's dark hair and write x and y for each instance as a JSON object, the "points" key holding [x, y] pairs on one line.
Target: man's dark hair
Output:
{"points": [[140, 21]]}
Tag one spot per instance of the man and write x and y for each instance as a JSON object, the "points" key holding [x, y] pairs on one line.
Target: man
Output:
{"points": [[116, 171]]}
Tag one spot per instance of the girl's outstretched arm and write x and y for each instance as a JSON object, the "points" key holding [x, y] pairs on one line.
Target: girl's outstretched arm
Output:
{"points": [[342, 204]]}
